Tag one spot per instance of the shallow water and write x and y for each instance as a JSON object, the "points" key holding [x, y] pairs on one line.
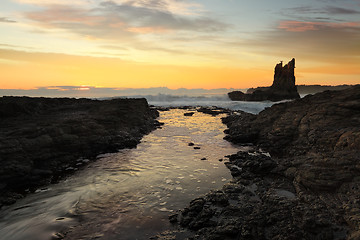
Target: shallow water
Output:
{"points": [[129, 194]]}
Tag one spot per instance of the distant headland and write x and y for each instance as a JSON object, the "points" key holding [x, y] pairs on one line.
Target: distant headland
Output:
{"points": [[308, 89]]}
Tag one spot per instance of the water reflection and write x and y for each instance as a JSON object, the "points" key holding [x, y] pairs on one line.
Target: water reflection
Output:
{"points": [[129, 194]]}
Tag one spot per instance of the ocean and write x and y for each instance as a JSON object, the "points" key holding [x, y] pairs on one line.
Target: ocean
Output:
{"points": [[167, 100], [160, 97]]}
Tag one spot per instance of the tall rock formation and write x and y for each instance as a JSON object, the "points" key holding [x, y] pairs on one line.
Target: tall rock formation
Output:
{"points": [[282, 88]]}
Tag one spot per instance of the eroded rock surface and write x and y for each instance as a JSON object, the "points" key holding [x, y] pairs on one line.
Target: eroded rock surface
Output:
{"points": [[316, 144]]}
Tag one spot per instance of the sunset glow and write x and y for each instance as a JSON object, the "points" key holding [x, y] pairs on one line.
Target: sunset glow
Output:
{"points": [[175, 44]]}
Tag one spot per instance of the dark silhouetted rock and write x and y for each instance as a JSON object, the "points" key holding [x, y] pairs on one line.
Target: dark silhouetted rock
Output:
{"points": [[238, 96], [283, 87], [315, 143], [42, 139], [307, 89], [213, 111]]}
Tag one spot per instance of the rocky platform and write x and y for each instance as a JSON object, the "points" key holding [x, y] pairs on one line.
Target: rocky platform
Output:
{"points": [[41, 139], [306, 188]]}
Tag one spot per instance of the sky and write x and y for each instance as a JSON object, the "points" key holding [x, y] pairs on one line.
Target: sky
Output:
{"points": [[176, 43]]}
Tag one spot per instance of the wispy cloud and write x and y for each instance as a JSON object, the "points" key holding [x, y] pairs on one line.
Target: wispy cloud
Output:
{"points": [[111, 20], [7, 20], [328, 33], [321, 42], [301, 26], [325, 10], [340, 10], [159, 18], [180, 7]]}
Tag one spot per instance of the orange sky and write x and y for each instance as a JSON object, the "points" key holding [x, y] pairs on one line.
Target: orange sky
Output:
{"points": [[176, 44], [43, 69]]}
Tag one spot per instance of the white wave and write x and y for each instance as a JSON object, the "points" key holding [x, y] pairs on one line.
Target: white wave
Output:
{"points": [[221, 100]]}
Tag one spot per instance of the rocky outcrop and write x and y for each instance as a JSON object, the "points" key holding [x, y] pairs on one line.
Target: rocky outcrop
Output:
{"points": [[318, 123], [283, 87], [307, 89], [306, 188], [43, 138], [315, 142], [260, 203]]}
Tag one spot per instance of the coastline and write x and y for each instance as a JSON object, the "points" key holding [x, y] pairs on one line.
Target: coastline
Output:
{"points": [[60, 135], [306, 188]]}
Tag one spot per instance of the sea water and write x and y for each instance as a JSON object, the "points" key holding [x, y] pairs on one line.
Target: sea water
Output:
{"points": [[205, 100]]}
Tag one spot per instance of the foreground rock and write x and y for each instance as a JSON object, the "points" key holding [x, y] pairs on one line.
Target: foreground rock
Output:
{"points": [[282, 88], [307, 189], [44, 138]]}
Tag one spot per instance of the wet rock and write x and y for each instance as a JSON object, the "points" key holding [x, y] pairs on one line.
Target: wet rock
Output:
{"points": [[57, 236], [213, 111], [162, 109], [256, 163], [217, 198], [191, 213], [173, 218]]}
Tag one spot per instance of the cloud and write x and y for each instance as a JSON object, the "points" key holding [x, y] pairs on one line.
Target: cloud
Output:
{"points": [[325, 13], [324, 42], [49, 2], [114, 47], [110, 20], [160, 18], [6, 20], [339, 10], [328, 10], [181, 7], [301, 26]]}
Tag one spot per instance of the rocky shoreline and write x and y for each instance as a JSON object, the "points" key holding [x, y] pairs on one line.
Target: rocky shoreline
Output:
{"points": [[43, 139], [299, 178]]}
